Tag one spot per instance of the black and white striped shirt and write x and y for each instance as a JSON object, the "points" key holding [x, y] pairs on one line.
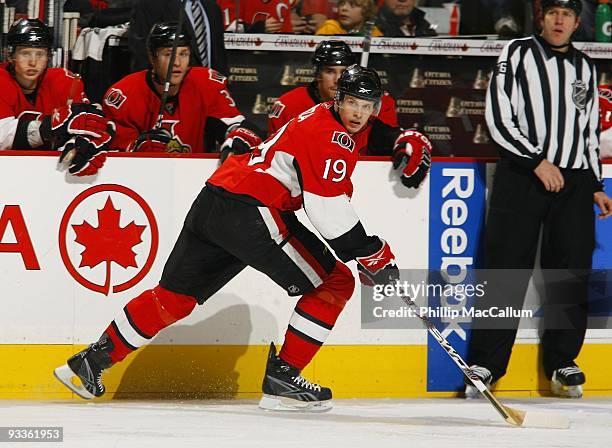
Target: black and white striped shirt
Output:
{"points": [[544, 104]]}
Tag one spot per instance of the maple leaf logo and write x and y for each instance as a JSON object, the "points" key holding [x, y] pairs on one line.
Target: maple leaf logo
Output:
{"points": [[108, 242]]}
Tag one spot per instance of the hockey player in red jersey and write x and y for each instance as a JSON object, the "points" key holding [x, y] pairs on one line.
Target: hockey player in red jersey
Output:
{"points": [[274, 16], [381, 136], [245, 216], [45, 108], [199, 105]]}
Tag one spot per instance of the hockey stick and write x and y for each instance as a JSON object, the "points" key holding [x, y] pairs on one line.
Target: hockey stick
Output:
{"points": [[165, 93], [3, 28], [515, 417], [367, 40], [73, 86]]}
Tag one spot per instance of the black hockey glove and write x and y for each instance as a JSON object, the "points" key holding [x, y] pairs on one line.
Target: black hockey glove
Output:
{"points": [[71, 120], [84, 158], [153, 140]]}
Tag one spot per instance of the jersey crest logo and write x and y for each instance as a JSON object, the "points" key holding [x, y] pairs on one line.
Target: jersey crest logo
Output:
{"points": [[115, 98], [175, 145], [344, 140], [276, 110], [216, 76], [579, 94]]}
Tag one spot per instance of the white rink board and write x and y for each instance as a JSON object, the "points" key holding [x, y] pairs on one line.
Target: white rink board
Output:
{"points": [[48, 306]]}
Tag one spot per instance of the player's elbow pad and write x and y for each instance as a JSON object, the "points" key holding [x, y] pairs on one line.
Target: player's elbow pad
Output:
{"points": [[354, 243]]}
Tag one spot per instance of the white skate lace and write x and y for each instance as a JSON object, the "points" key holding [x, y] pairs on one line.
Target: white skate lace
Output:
{"points": [[303, 382], [567, 371]]}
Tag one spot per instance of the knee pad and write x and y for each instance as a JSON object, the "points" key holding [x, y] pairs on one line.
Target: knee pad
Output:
{"points": [[173, 306], [338, 287], [157, 308]]}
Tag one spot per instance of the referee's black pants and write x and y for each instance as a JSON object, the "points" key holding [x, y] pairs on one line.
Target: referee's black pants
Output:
{"points": [[519, 208]]}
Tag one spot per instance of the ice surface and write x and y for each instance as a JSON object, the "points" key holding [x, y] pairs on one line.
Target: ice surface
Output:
{"points": [[357, 423]]}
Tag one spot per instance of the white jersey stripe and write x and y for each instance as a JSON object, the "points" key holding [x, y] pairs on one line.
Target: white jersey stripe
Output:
{"points": [[128, 332], [331, 216], [309, 328], [301, 263], [275, 232]]}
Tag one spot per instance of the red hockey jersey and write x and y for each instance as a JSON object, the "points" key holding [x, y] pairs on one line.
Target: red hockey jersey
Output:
{"points": [[309, 163], [605, 106], [55, 87], [296, 101], [133, 104], [255, 10]]}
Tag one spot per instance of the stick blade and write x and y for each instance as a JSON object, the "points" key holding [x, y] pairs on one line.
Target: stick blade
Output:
{"points": [[545, 420], [534, 419]]}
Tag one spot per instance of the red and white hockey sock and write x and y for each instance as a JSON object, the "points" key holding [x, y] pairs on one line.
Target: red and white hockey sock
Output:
{"points": [[145, 316], [315, 315]]}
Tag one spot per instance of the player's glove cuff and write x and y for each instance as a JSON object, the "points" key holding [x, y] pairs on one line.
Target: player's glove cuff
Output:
{"points": [[378, 268], [239, 141]]}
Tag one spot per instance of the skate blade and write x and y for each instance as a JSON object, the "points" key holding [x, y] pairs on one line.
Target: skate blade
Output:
{"points": [[275, 403], [560, 390], [65, 375]]}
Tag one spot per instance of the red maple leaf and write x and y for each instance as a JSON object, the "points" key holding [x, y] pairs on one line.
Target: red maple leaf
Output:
{"points": [[108, 242]]}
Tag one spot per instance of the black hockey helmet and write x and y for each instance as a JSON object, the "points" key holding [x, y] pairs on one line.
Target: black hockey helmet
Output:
{"points": [[575, 5], [360, 82], [332, 53], [28, 33], [162, 36]]}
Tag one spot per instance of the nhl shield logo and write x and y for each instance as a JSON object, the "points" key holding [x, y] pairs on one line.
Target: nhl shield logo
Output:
{"points": [[579, 94]]}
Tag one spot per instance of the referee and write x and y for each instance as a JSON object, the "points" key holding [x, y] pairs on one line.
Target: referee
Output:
{"points": [[542, 111]]}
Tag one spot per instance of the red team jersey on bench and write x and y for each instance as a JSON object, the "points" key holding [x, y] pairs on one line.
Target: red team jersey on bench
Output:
{"points": [[54, 89], [133, 105]]}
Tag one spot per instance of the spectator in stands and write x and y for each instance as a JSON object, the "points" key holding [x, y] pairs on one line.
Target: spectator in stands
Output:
{"points": [[401, 18], [504, 22], [352, 18], [203, 23], [275, 16]]}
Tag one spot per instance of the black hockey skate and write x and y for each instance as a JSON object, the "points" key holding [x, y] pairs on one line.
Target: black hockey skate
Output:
{"points": [[567, 382], [87, 366], [284, 389]]}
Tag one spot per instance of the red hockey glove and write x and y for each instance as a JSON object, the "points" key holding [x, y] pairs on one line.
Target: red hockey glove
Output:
{"points": [[239, 141], [76, 119], [378, 268], [83, 156], [153, 140], [412, 155]]}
